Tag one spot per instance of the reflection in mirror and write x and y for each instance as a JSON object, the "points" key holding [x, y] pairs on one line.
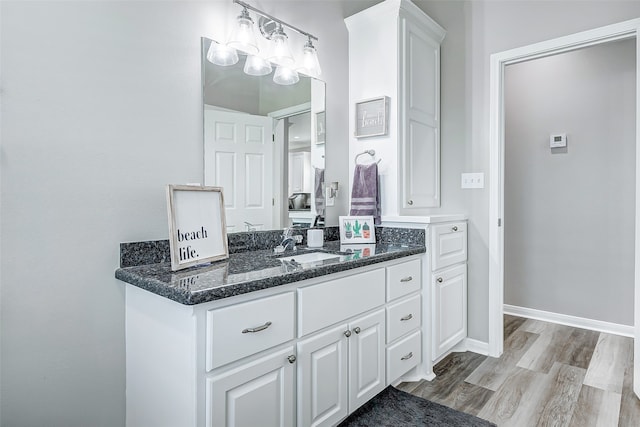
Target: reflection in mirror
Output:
{"points": [[264, 144]]}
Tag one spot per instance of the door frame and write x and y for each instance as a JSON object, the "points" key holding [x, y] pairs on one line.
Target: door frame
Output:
{"points": [[498, 61]]}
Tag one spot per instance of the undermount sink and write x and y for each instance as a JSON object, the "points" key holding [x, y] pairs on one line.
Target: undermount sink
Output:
{"points": [[310, 257]]}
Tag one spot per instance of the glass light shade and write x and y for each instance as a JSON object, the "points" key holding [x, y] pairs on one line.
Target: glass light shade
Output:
{"points": [[285, 76], [280, 52], [220, 54], [310, 63], [257, 66], [244, 37]]}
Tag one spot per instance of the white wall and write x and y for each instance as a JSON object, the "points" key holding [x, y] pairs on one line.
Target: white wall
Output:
{"points": [[570, 213], [495, 26], [101, 109]]}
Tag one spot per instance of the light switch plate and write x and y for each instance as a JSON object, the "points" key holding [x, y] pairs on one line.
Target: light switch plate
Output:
{"points": [[473, 180]]}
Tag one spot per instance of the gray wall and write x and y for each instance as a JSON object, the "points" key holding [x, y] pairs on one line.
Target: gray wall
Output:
{"points": [[495, 26], [101, 108], [570, 213]]}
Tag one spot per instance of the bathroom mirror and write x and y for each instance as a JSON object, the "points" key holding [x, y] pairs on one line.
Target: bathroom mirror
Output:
{"points": [[264, 144]]}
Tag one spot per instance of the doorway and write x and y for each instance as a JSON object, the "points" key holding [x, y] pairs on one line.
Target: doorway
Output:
{"points": [[498, 62]]}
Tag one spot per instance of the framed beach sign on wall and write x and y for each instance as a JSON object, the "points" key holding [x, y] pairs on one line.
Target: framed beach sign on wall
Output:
{"points": [[197, 226], [357, 229], [371, 117]]}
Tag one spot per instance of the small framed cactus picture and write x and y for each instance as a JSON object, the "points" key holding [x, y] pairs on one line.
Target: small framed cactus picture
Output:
{"points": [[357, 229]]}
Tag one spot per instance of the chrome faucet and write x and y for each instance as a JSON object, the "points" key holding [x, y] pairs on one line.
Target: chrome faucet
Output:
{"points": [[289, 241]]}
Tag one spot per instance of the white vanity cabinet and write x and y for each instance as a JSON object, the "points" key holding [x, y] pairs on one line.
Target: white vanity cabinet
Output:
{"points": [[340, 369], [419, 110], [258, 393], [448, 286], [303, 354], [444, 295], [394, 51]]}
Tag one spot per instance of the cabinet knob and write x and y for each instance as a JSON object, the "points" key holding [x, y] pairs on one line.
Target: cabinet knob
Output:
{"points": [[356, 329], [256, 329], [454, 228], [407, 356], [347, 333], [410, 202], [439, 279], [407, 317], [292, 358]]}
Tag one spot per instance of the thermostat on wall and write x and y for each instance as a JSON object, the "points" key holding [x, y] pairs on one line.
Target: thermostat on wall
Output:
{"points": [[558, 140]]}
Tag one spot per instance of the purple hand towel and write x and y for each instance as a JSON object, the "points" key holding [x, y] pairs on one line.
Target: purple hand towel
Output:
{"points": [[318, 191], [365, 194]]}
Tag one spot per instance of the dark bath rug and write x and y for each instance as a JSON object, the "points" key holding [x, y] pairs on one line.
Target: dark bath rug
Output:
{"points": [[395, 408]]}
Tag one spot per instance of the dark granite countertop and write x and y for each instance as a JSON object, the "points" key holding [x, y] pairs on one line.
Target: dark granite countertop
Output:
{"points": [[250, 271]]}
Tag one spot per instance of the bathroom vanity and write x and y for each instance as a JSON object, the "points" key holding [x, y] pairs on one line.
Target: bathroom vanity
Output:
{"points": [[276, 340], [244, 347]]}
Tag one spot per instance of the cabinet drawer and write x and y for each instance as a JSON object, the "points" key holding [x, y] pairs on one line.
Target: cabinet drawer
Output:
{"points": [[335, 301], [402, 279], [403, 317], [244, 329], [403, 356], [448, 244]]}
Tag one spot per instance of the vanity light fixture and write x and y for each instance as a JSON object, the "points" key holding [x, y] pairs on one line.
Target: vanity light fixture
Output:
{"points": [[255, 65], [244, 39], [244, 36], [221, 54], [285, 76], [280, 52], [310, 63]]}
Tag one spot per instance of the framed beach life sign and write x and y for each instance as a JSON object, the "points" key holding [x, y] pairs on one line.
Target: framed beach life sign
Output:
{"points": [[197, 225], [357, 229]]}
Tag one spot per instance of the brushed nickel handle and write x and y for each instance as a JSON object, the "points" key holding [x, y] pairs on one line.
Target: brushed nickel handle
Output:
{"points": [[410, 202], [407, 317], [356, 329], [439, 279], [256, 329], [454, 228], [406, 279], [347, 333], [407, 356], [292, 358]]}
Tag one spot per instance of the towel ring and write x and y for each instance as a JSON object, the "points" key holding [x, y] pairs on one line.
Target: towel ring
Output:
{"points": [[372, 153]]}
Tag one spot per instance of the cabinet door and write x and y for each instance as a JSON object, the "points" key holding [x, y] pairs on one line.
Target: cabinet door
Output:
{"points": [[322, 378], [260, 393], [450, 308], [420, 117], [366, 358]]}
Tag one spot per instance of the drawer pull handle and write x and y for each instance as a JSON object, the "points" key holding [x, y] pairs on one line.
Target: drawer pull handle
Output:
{"points": [[406, 279], [454, 228], [407, 357], [407, 317], [439, 279], [347, 333], [257, 329], [292, 358], [356, 329]]}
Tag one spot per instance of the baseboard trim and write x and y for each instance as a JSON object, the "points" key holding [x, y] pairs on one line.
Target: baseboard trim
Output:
{"points": [[565, 319], [477, 346]]}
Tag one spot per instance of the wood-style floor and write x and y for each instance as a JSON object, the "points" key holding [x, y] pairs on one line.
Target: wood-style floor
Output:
{"points": [[548, 375]]}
